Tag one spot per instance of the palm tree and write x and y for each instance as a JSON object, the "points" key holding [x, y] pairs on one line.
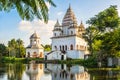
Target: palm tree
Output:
{"points": [[28, 9]]}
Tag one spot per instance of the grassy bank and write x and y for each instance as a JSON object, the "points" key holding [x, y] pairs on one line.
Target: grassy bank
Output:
{"points": [[17, 60], [104, 69], [86, 63]]}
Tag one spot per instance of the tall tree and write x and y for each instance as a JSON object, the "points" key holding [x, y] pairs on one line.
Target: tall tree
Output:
{"points": [[3, 50], [16, 48], [106, 20], [90, 35], [20, 48], [27, 9], [12, 47], [111, 44], [103, 27]]}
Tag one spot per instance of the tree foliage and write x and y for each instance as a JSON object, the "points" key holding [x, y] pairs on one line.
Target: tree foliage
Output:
{"points": [[104, 33], [111, 43], [27, 9], [47, 47], [3, 50], [90, 35], [16, 48], [107, 19]]}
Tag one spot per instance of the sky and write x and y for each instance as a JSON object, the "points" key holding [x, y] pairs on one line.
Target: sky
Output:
{"points": [[12, 26]]}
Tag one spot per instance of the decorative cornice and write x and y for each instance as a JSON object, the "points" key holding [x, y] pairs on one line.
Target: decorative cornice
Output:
{"points": [[57, 29], [66, 36]]}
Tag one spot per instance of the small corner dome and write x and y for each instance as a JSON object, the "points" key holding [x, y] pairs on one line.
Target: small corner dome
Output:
{"points": [[57, 24], [34, 35]]}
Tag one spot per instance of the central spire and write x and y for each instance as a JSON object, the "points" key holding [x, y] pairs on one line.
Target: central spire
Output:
{"points": [[69, 17], [69, 6]]}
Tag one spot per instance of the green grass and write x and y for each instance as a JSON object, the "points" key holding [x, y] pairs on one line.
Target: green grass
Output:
{"points": [[105, 69], [17, 60]]}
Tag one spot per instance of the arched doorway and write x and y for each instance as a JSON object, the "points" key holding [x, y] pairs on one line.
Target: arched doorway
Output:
{"points": [[41, 55], [34, 55], [71, 47], [28, 54], [62, 57], [45, 57]]}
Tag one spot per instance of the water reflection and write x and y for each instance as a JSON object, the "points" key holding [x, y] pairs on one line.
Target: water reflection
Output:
{"points": [[34, 71], [53, 72], [62, 72]]}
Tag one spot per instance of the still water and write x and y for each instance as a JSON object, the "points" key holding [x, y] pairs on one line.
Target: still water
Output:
{"points": [[53, 72]]}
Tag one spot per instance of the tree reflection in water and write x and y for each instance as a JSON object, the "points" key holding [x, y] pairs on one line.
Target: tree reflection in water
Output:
{"points": [[53, 72], [15, 71], [2, 70]]}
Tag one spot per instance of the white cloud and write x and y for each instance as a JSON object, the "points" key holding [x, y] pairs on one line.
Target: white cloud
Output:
{"points": [[44, 30], [25, 25], [59, 13]]}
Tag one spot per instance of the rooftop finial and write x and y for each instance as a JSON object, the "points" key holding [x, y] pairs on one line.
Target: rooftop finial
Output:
{"points": [[57, 23], [81, 22], [69, 6]]}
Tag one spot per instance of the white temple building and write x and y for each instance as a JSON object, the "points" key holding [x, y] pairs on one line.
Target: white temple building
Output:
{"points": [[35, 49], [67, 41]]}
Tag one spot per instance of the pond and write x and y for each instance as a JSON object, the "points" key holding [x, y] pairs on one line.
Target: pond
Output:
{"points": [[53, 72]]}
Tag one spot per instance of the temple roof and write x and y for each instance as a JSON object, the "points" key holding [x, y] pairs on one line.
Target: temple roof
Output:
{"points": [[57, 24], [34, 35], [69, 17], [82, 26], [38, 46]]}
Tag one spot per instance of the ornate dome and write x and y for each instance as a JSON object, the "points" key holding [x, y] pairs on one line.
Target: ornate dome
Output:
{"points": [[34, 35], [57, 24], [69, 18], [81, 27]]}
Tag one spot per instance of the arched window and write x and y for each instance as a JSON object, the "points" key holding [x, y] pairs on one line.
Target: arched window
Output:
{"points": [[55, 34], [71, 47], [60, 48], [62, 32], [65, 47], [55, 47], [71, 32], [34, 54], [41, 55], [35, 42]]}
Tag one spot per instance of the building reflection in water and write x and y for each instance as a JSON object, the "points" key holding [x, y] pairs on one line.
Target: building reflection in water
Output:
{"points": [[34, 71], [57, 72], [62, 72]]}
